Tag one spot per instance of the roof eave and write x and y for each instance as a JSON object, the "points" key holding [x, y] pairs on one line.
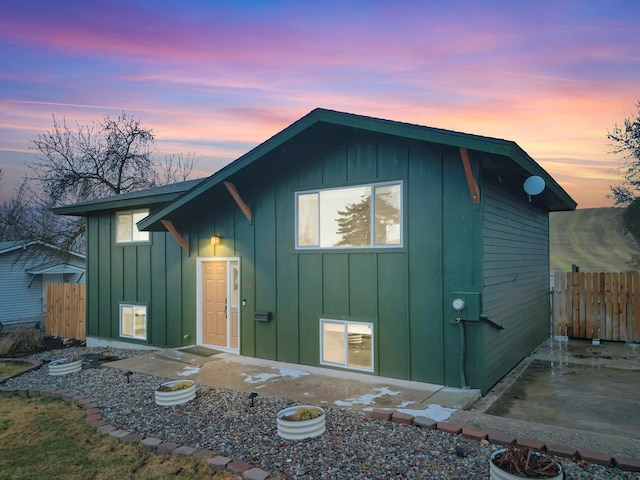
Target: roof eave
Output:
{"points": [[85, 208]]}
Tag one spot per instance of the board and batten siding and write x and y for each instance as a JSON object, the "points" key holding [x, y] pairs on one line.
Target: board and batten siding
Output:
{"points": [[157, 274], [401, 298], [515, 280]]}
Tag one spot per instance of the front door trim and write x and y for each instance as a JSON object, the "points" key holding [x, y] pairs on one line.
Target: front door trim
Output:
{"points": [[199, 301]]}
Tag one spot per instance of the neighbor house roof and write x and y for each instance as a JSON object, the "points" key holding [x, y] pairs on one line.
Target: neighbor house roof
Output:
{"points": [[155, 195], [10, 246]]}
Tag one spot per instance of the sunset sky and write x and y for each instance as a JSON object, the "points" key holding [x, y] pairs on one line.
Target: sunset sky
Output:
{"points": [[217, 78]]}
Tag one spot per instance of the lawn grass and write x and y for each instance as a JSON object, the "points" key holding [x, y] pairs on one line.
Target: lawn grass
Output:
{"points": [[9, 368], [47, 438]]}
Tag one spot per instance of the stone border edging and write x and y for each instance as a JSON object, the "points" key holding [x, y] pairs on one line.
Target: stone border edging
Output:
{"points": [[250, 472], [93, 416], [575, 454], [35, 364]]}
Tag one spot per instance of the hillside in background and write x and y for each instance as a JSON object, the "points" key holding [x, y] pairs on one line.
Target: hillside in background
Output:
{"points": [[592, 238]]}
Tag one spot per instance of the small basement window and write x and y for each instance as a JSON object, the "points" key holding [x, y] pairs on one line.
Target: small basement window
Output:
{"points": [[346, 344], [126, 229], [133, 321]]}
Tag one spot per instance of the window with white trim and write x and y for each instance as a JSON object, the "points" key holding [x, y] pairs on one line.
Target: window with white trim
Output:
{"points": [[126, 228], [353, 217], [346, 344], [133, 321]]}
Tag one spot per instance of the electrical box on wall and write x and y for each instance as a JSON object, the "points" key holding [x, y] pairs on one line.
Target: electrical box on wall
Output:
{"points": [[466, 306]]}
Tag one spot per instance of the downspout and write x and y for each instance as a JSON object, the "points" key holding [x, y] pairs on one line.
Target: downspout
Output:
{"points": [[463, 353]]}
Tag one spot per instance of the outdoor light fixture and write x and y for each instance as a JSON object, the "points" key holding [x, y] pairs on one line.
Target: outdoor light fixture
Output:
{"points": [[216, 239]]}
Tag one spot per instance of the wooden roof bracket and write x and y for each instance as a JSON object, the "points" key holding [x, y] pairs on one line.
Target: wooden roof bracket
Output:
{"points": [[239, 201], [473, 185], [168, 224]]}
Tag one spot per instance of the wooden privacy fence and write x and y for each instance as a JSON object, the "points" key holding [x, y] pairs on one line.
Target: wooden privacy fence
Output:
{"points": [[603, 306], [65, 312]]}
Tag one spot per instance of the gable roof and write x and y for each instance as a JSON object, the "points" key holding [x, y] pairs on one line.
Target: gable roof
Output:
{"points": [[150, 196], [11, 246], [506, 148]]}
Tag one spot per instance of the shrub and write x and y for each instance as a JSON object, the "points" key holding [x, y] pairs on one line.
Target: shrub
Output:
{"points": [[21, 340]]}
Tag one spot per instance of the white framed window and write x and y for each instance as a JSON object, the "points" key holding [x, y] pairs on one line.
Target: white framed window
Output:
{"points": [[126, 229], [346, 344], [133, 321], [351, 217]]}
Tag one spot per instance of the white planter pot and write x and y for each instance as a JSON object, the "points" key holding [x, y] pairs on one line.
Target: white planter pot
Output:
{"points": [[299, 429], [175, 397], [496, 473], [62, 366]]}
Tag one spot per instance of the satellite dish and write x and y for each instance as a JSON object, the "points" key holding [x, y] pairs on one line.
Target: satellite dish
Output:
{"points": [[534, 185]]}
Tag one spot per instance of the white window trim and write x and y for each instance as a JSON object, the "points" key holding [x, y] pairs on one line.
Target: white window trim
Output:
{"points": [[372, 245], [146, 320], [346, 324], [132, 212]]}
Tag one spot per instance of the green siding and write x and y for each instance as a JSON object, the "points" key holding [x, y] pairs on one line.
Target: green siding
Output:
{"points": [[405, 292], [93, 279], [102, 264], [310, 306], [393, 322], [516, 280], [265, 273], [363, 300], [287, 267], [461, 225], [158, 306], [424, 237]]}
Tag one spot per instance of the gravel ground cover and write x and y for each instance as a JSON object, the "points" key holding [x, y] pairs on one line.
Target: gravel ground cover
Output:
{"points": [[353, 447]]}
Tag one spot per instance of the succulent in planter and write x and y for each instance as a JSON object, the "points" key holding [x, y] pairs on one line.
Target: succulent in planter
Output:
{"points": [[62, 361], [174, 387], [303, 421], [175, 392], [524, 462], [64, 366], [304, 413]]}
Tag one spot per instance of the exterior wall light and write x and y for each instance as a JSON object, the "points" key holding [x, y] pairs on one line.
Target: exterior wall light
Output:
{"points": [[216, 239]]}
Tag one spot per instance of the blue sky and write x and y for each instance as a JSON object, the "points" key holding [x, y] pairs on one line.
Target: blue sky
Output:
{"points": [[217, 78]]}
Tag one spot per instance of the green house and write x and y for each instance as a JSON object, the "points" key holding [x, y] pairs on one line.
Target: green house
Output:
{"points": [[344, 242]]}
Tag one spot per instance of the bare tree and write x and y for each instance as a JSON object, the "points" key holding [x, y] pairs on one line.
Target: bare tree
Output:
{"points": [[105, 158], [626, 142]]}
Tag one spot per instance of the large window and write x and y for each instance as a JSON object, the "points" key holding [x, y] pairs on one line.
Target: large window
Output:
{"points": [[346, 344], [127, 231], [133, 321], [362, 216]]}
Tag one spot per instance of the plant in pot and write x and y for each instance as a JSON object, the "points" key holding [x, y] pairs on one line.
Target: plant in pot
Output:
{"points": [[304, 421], [516, 462], [175, 392], [63, 366]]}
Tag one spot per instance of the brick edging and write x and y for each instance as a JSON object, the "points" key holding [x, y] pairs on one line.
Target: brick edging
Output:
{"points": [[35, 364], [251, 472], [92, 410], [575, 454]]}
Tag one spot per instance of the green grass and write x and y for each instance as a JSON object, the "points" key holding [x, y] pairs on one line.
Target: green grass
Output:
{"points": [[47, 438], [592, 238], [9, 368]]}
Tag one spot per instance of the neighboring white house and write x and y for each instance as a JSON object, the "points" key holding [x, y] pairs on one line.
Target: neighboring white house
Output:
{"points": [[25, 270]]}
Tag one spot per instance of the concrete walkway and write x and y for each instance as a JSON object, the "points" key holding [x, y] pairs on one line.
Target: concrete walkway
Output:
{"points": [[303, 384], [570, 392]]}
